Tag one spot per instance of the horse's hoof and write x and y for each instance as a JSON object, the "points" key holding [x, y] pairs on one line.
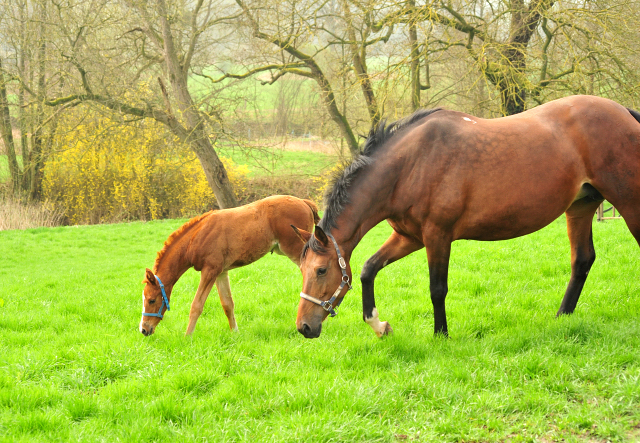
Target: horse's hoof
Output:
{"points": [[385, 329]]}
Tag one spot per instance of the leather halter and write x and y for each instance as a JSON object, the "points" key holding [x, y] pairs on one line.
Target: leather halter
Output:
{"points": [[327, 305], [165, 301]]}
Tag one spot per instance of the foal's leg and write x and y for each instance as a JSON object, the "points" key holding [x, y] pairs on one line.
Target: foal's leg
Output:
{"points": [[438, 246], [396, 247], [207, 278], [224, 291], [579, 228]]}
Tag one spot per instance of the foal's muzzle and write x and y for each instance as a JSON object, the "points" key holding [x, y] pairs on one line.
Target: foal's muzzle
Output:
{"points": [[146, 330]]}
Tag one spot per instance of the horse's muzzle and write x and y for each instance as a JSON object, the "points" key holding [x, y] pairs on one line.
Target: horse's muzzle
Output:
{"points": [[310, 332], [146, 330]]}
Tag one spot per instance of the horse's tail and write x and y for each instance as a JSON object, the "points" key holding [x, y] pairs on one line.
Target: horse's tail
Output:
{"points": [[635, 114], [314, 209]]}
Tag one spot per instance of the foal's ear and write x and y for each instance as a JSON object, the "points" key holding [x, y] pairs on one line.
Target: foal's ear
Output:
{"points": [[149, 277], [302, 234], [321, 236]]}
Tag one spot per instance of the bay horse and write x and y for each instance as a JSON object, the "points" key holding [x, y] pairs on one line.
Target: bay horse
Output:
{"points": [[216, 242], [440, 176]]}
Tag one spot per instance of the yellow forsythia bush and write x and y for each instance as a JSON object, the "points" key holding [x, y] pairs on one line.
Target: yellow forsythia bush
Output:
{"points": [[106, 172], [322, 182]]}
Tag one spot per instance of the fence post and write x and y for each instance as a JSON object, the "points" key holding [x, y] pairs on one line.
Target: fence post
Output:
{"points": [[599, 212]]}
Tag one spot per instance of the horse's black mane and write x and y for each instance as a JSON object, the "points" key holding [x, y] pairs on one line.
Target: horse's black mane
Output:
{"points": [[635, 114], [337, 197]]}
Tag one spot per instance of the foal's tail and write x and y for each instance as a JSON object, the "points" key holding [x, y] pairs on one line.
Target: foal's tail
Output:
{"points": [[635, 114], [314, 209]]}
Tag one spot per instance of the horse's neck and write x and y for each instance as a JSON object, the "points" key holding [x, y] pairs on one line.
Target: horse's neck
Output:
{"points": [[369, 206], [175, 261]]}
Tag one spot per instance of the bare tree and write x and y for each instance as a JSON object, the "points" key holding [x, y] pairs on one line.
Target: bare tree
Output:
{"points": [[121, 57], [523, 48]]}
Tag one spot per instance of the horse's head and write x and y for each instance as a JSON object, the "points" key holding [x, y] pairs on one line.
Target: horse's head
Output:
{"points": [[155, 302], [326, 279]]}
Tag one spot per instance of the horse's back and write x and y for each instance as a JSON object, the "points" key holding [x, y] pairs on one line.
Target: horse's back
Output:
{"points": [[501, 178], [239, 236]]}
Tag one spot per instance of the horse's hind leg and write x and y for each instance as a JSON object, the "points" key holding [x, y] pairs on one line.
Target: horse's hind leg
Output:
{"points": [[583, 254], [224, 291], [207, 277]]}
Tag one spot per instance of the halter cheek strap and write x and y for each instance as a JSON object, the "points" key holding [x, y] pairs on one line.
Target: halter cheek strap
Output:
{"points": [[165, 301], [327, 305]]}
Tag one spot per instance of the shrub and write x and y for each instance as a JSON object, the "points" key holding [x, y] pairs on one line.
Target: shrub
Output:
{"points": [[101, 172]]}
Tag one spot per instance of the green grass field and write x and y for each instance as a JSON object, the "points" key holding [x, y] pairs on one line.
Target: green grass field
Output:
{"points": [[73, 366], [279, 162], [4, 166]]}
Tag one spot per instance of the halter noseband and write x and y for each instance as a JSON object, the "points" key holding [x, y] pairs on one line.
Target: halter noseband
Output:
{"points": [[165, 301], [327, 305]]}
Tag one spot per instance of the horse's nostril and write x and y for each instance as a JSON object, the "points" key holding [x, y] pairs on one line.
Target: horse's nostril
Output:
{"points": [[144, 331], [305, 329]]}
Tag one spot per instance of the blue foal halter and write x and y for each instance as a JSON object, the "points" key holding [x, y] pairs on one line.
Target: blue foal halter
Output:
{"points": [[328, 305], [165, 301]]}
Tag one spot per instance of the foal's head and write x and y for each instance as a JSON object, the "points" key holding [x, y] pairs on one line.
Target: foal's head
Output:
{"points": [[154, 304], [323, 281]]}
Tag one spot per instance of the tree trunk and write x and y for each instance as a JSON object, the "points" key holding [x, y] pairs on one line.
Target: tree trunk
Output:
{"points": [[7, 134], [36, 155], [513, 93], [360, 68], [524, 21], [415, 61], [214, 170]]}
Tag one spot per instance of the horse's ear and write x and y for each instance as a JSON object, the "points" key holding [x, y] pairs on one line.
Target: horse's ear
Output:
{"points": [[302, 234], [321, 236], [149, 277]]}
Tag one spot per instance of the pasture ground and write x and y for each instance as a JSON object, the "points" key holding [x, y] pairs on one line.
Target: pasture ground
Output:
{"points": [[73, 366]]}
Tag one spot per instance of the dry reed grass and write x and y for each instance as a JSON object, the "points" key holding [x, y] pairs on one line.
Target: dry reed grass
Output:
{"points": [[261, 187], [16, 215]]}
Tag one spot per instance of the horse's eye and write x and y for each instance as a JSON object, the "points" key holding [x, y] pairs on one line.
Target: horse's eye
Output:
{"points": [[152, 301], [321, 271]]}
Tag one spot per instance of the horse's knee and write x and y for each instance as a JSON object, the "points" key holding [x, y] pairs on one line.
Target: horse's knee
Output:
{"points": [[438, 293], [227, 304], [583, 262], [196, 309], [369, 271]]}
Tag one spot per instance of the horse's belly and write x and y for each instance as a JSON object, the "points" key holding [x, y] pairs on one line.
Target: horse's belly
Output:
{"points": [[509, 221]]}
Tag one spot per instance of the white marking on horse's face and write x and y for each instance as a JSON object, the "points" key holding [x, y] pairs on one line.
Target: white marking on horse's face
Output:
{"points": [[375, 323], [142, 319], [467, 119]]}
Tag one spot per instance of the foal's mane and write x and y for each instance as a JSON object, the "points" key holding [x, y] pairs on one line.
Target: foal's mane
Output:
{"points": [[337, 196], [175, 235]]}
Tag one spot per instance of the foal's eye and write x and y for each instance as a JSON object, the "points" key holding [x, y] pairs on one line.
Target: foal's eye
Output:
{"points": [[152, 301], [321, 271]]}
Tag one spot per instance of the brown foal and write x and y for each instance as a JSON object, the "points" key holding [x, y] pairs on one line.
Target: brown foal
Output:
{"points": [[218, 241]]}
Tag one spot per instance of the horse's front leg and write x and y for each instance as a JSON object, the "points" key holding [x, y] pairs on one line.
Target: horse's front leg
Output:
{"points": [[396, 247], [207, 278], [438, 246], [224, 291]]}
